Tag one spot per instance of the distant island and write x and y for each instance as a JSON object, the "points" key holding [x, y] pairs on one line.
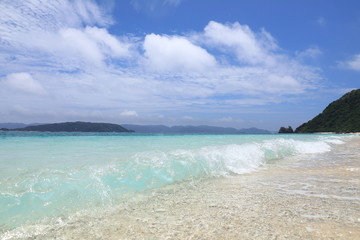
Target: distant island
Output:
{"points": [[340, 116], [286, 130], [202, 129], [109, 127], [75, 127]]}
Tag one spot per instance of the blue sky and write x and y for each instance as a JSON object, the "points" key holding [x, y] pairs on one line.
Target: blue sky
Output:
{"points": [[231, 63]]}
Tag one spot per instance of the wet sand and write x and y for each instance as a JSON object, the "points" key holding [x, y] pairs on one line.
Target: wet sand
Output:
{"points": [[308, 197]]}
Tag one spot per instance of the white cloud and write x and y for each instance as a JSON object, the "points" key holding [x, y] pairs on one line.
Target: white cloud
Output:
{"points": [[53, 34], [109, 44], [175, 54], [90, 13], [230, 120], [249, 47], [353, 63], [77, 43], [25, 83], [226, 119], [90, 45], [129, 113], [312, 52], [48, 16], [72, 48]]}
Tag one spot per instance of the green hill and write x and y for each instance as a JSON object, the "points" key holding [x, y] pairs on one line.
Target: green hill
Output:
{"points": [[342, 115], [76, 127]]}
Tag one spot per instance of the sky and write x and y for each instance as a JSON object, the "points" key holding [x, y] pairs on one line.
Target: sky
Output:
{"points": [[231, 63]]}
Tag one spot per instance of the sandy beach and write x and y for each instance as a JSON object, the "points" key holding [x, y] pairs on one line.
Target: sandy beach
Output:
{"points": [[179, 119], [305, 197]]}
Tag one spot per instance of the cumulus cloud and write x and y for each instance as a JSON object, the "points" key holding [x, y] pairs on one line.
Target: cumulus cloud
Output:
{"points": [[249, 47], [91, 44], [353, 63], [73, 48], [175, 54], [25, 83], [78, 43]]}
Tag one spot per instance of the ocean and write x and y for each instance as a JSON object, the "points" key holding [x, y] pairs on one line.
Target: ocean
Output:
{"points": [[60, 185]]}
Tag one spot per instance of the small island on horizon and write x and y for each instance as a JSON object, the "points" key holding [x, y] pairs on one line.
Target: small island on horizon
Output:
{"points": [[75, 127]]}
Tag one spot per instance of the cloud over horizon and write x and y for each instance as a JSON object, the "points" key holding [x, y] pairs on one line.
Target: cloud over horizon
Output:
{"points": [[24, 82]]}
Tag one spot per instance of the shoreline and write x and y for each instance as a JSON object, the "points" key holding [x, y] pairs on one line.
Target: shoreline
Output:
{"points": [[305, 197], [287, 200]]}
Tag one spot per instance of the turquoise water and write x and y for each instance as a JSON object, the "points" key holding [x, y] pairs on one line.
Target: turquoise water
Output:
{"points": [[44, 175]]}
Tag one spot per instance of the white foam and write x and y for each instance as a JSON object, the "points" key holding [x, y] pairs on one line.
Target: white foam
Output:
{"points": [[232, 158], [312, 147]]}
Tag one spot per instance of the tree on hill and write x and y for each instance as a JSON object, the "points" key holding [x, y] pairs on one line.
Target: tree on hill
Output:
{"points": [[342, 115]]}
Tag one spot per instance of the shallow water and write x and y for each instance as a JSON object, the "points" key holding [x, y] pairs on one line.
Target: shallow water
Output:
{"points": [[157, 186]]}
